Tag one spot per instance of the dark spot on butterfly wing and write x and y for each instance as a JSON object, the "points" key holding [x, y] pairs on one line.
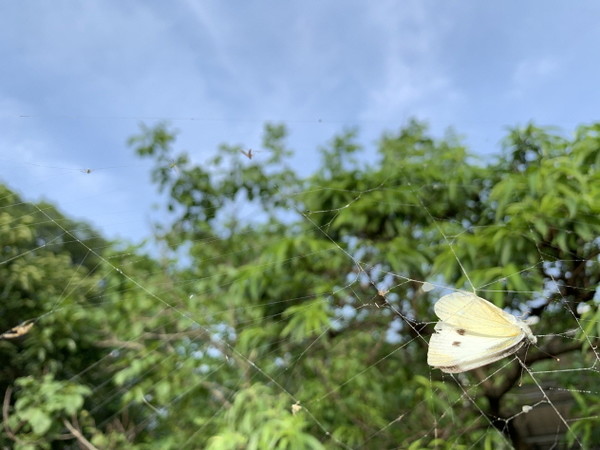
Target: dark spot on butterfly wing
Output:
{"points": [[456, 344], [461, 331]]}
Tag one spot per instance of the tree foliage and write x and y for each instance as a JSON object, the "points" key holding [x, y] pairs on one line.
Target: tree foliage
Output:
{"points": [[296, 316]]}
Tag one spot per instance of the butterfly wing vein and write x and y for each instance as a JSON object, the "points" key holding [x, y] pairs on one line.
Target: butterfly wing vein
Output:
{"points": [[454, 352], [468, 311]]}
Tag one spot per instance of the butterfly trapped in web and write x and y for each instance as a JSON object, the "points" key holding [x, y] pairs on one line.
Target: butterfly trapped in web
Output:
{"points": [[473, 332]]}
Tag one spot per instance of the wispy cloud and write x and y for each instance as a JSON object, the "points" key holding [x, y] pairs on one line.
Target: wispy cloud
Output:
{"points": [[412, 79], [86, 73], [533, 73]]}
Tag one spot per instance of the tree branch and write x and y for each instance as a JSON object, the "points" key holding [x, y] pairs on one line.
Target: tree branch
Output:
{"points": [[217, 393], [113, 342], [549, 351], [5, 407], [80, 437], [552, 349]]}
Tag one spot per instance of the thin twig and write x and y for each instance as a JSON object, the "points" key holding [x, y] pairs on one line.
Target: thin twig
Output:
{"points": [[5, 407], [80, 437], [112, 342]]}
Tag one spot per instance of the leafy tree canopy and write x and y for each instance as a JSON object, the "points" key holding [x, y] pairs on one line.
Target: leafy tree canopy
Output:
{"points": [[296, 317]]}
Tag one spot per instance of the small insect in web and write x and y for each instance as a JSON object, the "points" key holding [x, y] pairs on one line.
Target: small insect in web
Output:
{"points": [[86, 170], [17, 331], [383, 292], [427, 287], [473, 332], [248, 153], [296, 408], [173, 166]]}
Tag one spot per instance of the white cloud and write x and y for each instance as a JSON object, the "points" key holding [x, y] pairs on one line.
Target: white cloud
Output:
{"points": [[533, 73], [412, 81], [86, 74]]}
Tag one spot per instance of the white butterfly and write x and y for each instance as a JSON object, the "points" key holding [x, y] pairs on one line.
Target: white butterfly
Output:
{"points": [[473, 332]]}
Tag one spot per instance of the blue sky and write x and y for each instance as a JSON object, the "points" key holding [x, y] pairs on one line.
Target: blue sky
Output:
{"points": [[78, 77]]}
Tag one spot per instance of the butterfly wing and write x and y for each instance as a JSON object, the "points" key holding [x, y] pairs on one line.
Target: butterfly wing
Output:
{"points": [[467, 311], [455, 350]]}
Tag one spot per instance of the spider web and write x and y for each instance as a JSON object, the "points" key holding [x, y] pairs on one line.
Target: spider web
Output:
{"points": [[543, 397]]}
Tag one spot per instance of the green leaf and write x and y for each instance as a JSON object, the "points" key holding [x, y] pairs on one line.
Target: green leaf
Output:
{"points": [[561, 241], [40, 421], [541, 226]]}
